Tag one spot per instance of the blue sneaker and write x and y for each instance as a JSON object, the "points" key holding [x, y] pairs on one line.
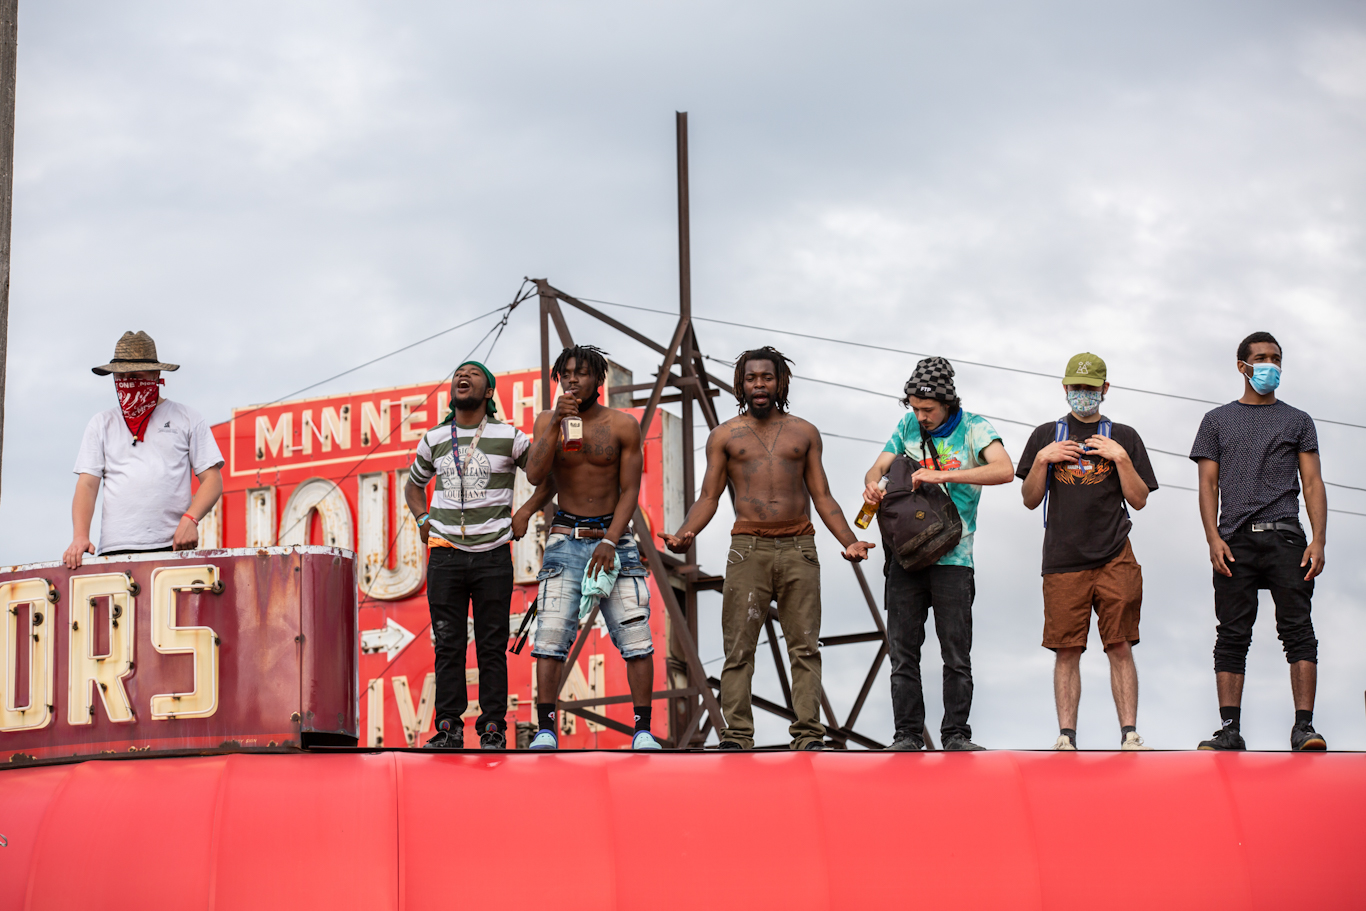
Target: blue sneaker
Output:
{"points": [[544, 740], [644, 740]]}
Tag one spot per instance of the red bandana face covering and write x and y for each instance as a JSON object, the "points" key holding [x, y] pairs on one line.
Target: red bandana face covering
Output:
{"points": [[137, 400]]}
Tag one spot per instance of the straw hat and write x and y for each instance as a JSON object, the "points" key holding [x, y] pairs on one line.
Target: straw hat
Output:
{"points": [[135, 351]]}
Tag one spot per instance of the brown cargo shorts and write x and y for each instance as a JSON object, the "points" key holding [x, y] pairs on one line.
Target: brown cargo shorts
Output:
{"points": [[1115, 590]]}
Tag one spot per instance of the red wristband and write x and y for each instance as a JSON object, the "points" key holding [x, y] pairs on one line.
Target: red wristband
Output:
{"points": [[192, 519]]}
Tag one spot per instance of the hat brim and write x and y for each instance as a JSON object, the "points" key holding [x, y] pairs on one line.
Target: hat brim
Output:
{"points": [[132, 367], [1082, 381]]}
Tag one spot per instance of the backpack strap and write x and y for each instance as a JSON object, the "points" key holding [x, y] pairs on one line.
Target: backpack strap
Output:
{"points": [[1060, 432], [927, 445], [1106, 428]]}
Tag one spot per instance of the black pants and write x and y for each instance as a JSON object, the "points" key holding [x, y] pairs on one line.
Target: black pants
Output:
{"points": [[1271, 560], [455, 578], [909, 596]]}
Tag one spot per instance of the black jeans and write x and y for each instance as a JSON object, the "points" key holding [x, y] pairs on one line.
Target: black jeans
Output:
{"points": [[455, 578], [909, 596], [1271, 560]]}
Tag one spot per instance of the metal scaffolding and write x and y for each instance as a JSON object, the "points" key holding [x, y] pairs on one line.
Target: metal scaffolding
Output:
{"points": [[693, 708]]}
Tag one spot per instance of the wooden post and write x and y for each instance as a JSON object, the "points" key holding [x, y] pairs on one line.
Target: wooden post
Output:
{"points": [[9, 39]]}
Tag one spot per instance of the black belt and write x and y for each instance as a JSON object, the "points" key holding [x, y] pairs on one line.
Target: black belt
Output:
{"points": [[1274, 526]]}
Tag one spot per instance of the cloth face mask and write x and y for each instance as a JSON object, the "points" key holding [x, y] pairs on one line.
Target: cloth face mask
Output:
{"points": [[137, 401], [1265, 377], [1084, 404]]}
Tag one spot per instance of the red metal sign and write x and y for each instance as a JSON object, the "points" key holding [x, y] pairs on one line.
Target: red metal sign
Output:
{"points": [[331, 471], [251, 648]]}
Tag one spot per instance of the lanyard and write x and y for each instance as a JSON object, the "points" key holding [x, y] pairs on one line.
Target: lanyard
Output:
{"points": [[462, 462]]}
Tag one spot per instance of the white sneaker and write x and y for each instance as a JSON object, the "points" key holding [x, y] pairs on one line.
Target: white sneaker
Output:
{"points": [[1064, 743], [544, 740], [1133, 742], [644, 740]]}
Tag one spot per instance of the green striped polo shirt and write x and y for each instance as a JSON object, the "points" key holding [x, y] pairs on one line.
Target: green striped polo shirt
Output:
{"points": [[483, 503]]}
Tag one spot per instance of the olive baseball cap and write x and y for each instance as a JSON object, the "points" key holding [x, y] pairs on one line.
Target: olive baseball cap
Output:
{"points": [[1085, 369]]}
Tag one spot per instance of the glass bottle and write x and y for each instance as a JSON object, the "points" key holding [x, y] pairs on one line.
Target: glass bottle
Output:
{"points": [[865, 515], [571, 432]]}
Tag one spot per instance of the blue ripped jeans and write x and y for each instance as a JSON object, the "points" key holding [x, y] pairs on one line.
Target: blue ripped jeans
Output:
{"points": [[626, 611]]}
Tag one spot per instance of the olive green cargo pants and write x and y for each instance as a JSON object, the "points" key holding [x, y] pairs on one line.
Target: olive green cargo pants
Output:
{"points": [[760, 571]]}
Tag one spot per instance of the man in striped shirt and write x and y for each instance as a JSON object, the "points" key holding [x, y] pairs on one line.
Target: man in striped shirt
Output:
{"points": [[474, 458]]}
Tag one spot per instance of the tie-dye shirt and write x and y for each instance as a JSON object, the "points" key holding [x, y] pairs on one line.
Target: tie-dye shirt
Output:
{"points": [[960, 449]]}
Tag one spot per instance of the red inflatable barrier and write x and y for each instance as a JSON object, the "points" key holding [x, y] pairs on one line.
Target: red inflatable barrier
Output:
{"points": [[996, 830]]}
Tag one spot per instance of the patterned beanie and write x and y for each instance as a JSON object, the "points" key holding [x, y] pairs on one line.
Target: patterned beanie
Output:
{"points": [[932, 379]]}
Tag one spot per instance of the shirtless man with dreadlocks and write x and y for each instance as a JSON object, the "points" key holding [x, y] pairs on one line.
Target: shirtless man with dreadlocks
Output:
{"points": [[774, 460], [598, 486]]}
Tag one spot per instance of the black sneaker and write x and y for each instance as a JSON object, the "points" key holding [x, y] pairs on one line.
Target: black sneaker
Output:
{"points": [[957, 742], [814, 745], [1304, 737], [492, 738], [729, 745], [1224, 739], [907, 743], [447, 738]]}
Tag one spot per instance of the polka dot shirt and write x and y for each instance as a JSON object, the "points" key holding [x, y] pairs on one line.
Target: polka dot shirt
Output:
{"points": [[1258, 450]]}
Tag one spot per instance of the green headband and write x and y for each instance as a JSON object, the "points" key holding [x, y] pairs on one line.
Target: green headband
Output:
{"points": [[492, 405]]}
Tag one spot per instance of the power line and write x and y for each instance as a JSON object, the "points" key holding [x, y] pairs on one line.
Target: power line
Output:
{"points": [[517, 299], [840, 341], [1182, 455], [991, 417], [1345, 512], [381, 440]]}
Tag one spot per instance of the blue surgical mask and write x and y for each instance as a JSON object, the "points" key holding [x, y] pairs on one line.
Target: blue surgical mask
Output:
{"points": [[1084, 403], [1265, 377]]}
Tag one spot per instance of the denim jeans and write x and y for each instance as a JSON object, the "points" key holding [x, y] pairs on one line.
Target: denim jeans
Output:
{"points": [[1270, 560], [626, 611], [455, 580], [909, 596]]}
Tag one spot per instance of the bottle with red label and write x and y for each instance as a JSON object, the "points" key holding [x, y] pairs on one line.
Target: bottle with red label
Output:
{"points": [[571, 431]]}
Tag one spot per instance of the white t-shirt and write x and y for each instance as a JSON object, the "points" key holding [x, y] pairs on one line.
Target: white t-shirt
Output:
{"points": [[147, 485]]}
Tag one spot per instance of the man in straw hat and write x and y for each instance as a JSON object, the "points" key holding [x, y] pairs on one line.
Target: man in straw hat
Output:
{"points": [[144, 452]]}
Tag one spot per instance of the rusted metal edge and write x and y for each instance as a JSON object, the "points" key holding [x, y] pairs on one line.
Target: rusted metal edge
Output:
{"points": [[30, 763], [273, 551]]}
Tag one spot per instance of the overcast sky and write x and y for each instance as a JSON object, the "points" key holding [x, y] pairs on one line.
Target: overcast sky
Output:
{"points": [[279, 192]]}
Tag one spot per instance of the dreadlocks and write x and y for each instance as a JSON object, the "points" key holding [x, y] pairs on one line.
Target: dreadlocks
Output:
{"points": [[781, 369], [594, 359]]}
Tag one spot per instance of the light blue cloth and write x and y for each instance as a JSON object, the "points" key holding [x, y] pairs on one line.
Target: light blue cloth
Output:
{"points": [[595, 589]]}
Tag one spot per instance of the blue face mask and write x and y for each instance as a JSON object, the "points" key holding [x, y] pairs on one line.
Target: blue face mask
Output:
{"points": [[1084, 403], [1265, 377]]}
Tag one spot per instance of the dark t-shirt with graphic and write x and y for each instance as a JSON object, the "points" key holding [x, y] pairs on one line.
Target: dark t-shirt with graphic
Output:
{"points": [[1087, 522], [1258, 450]]}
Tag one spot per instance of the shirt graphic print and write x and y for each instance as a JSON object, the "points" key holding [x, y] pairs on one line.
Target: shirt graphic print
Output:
{"points": [[471, 486], [959, 450], [1088, 524], [472, 506]]}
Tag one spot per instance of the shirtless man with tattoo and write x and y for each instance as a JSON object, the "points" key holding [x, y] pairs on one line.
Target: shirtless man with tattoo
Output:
{"points": [[774, 461], [598, 487]]}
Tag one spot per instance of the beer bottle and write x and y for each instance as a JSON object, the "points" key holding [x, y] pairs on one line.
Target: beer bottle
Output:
{"points": [[865, 515], [571, 431]]}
